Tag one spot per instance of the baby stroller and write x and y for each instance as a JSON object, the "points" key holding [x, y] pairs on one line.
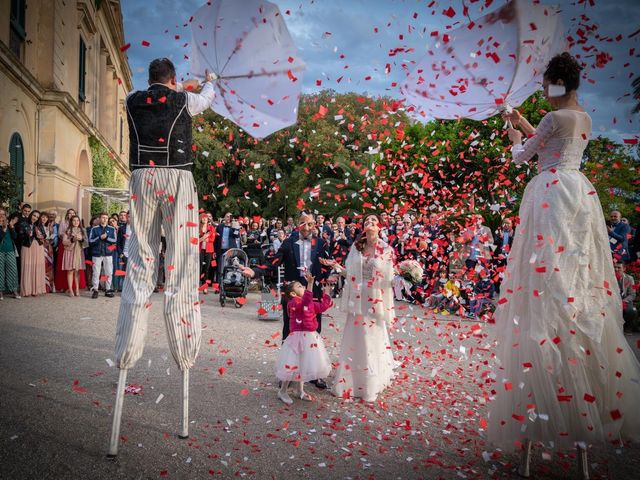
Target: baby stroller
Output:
{"points": [[233, 284]]}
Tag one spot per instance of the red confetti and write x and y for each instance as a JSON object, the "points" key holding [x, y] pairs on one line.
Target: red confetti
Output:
{"points": [[125, 47], [244, 392], [450, 12]]}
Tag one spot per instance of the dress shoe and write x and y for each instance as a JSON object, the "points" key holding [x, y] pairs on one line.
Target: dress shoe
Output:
{"points": [[109, 293], [319, 383], [94, 295]]}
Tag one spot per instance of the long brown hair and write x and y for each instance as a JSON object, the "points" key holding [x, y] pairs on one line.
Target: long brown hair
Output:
{"points": [[361, 241], [70, 226]]}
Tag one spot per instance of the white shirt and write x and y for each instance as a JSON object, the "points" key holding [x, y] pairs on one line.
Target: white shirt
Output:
{"points": [[305, 255], [198, 102]]}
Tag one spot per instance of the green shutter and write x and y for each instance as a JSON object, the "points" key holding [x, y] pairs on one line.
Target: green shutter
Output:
{"points": [[81, 71], [18, 16], [16, 155]]}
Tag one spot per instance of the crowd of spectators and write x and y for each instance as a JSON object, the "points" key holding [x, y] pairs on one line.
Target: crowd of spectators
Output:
{"points": [[462, 267]]}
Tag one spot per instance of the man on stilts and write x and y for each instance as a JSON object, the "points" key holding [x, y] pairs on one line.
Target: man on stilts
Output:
{"points": [[163, 197]]}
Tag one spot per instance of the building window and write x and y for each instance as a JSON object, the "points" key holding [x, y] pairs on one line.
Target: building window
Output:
{"points": [[82, 63], [16, 156], [17, 32]]}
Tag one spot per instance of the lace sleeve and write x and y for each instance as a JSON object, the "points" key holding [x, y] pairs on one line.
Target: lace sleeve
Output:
{"points": [[523, 153]]}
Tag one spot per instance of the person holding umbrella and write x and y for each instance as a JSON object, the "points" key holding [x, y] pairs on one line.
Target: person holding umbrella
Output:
{"points": [[163, 198], [565, 373]]}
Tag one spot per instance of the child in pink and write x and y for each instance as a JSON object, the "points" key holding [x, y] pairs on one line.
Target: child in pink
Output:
{"points": [[303, 356]]}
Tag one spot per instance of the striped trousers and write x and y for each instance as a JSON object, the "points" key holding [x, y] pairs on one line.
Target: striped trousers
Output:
{"points": [[8, 272], [162, 199]]}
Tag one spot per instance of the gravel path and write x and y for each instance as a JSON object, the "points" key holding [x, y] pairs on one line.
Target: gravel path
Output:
{"points": [[58, 387]]}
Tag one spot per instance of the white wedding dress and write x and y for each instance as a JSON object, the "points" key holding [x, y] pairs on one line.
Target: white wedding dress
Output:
{"points": [[565, 372], [366, 361]]}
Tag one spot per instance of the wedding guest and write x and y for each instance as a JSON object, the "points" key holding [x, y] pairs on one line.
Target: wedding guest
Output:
{"points": [[207, 236], [55, 240], [437, 293], [290, 226], [277, 241], [32, 237], [256, 237], [8, 264], [504, 240], [618, 236], [340, 246], [272, 231], [227, 236], [483, 292], [626, 285], [101, 238], [73, 255], [116, 280], [480, 241], [61, 280], [47, 246], [24, 210], [121, 265]]}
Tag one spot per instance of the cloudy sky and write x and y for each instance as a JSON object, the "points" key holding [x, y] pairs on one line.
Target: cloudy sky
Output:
{"points": [[346, 45]]}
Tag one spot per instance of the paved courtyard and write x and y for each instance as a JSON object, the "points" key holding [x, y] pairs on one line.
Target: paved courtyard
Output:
{"points": [[57, 391]]}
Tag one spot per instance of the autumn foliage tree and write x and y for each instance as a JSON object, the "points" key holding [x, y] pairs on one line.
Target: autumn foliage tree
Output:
{"points": [[350, 153]]}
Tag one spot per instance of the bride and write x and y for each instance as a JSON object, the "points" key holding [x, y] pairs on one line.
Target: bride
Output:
{"points": [[566, 375], [366, 360]]}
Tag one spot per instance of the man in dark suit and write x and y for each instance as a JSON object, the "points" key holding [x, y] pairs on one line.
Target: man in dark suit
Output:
{"points": [[299, 253]]}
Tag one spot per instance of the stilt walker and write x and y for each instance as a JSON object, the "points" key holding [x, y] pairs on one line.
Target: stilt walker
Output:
{"points": [[163, 193], [163, 198]]}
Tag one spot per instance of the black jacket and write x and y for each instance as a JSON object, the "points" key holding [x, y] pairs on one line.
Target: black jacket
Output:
{"points": [[159, 129], [288, 255], [27, 234]]}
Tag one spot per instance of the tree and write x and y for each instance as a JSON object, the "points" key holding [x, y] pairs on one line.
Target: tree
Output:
{"points": [[9, 188], [459, 167], [274, 176], [105, 174], [614, 170]]}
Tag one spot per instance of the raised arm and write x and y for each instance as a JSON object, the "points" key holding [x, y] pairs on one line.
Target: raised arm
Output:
{"points": [[523, 153], [199, 102]]}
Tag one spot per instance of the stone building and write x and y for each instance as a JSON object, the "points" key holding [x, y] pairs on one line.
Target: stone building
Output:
{"points": [[63, 80]]}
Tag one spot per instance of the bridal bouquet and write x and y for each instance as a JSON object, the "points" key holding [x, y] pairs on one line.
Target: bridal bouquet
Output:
{"points": [[411, 270]]}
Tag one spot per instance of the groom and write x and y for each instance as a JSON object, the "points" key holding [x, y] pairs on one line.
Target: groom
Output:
{"points": [[299, 253]]}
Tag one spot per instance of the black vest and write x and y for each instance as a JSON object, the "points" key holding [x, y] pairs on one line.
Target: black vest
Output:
{"points": [[159, 129]]}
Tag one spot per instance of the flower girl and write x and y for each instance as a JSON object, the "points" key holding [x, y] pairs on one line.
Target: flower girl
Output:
{"points": [[303, 356]]}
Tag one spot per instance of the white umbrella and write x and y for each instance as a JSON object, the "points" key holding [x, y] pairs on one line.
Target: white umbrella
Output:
{"points": [[248, 46], [496, 61]]}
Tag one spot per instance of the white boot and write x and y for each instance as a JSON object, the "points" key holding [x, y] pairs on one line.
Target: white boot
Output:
{"points": [[525, 459]]}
